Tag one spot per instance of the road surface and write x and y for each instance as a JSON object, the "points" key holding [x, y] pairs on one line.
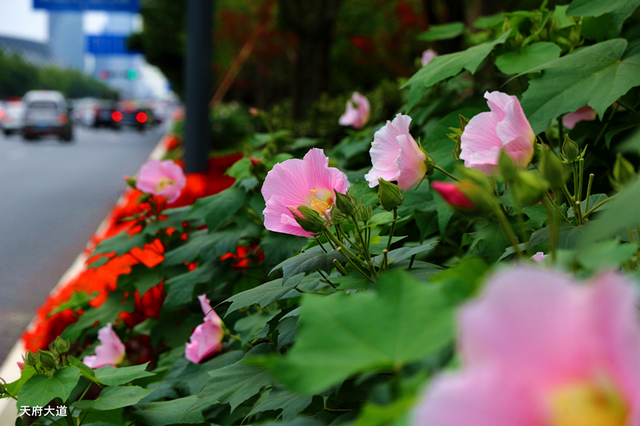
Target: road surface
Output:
{"points": [[53, 196]]}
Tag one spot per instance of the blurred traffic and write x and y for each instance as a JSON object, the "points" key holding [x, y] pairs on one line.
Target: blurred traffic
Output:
{"points": [[47, 112]]}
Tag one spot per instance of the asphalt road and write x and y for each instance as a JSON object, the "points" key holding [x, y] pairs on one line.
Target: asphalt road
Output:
{"points": [[53, 196]]}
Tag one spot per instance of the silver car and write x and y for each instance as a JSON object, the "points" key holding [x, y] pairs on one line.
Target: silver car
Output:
{"points": [[11, 117], [46, 113]]}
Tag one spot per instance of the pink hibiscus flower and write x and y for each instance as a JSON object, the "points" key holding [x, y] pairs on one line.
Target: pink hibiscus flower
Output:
{"points": [[427, 56], [505, 127], [542, 350], [356, 116], [206, 339], [308, 182], [163, 178], [583, 114], [396, 156], [109, 352]]}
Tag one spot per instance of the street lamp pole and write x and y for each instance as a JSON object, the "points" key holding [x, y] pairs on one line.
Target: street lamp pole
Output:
{"points": [[198, 84]]}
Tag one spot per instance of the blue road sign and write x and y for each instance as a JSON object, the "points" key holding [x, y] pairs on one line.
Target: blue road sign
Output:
{"points": [[108, 45], [80, 5]]}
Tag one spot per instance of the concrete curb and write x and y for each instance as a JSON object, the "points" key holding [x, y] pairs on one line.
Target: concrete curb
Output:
{"points": [[9, 370]]}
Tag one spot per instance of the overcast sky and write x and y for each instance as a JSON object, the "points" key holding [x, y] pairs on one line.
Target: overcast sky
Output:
{"points": [[19, 19]]}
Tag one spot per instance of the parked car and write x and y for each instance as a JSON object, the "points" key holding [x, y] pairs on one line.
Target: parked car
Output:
{"points": [[11, 117], [46, 113], [107, 114]]}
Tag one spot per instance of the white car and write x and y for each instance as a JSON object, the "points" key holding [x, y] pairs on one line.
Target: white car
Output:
{"points": [[11, 117], [46, 113]]}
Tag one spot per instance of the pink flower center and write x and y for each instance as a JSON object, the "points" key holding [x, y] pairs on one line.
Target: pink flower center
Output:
{"points": [[587, 404], [163, 183], [319, 205]]}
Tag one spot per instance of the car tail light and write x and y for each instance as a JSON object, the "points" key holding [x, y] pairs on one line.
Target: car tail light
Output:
{"points": [[141, 117], [63, 118], [1, 114], [116, 116]]}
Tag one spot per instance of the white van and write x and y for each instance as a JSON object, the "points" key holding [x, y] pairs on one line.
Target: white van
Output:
{"points": [[46, 113]]}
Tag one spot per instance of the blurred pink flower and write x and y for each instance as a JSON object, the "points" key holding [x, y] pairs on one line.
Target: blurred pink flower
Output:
{"points": [[164, 178], [539, 257], [396, 156], [206, 339], [427, 56], [542, 350], [109, 352], [21, 365], [505, 127], [358, 115], [452, 195], [308, 182], [585, 113]]}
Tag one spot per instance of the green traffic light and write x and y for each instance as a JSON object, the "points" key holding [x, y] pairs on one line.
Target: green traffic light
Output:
{"points": [[132, 74]]}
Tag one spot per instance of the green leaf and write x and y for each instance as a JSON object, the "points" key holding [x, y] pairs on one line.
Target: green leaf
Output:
{"points": [[352, 282], [443, 32], [216, 208], [115, 397], [445, 66], [605, 254], [241, 169], [263, 294], [397, 255], [40, 389], [106, 313], [310, 260], [249, 326], [175, 411], [463, 280], [84, 370], [119, 376], [618, 11], [78, 300], [279, 398], [278, 247], [376, 415], [569, 236], [377, 243], [27, 372], [180, 288], [596, 76], [528, 57], [444, 213], [402, 321], [120, 244], [287, 330], [594, 200], [235, 383], [620, 214], [103, 418]]}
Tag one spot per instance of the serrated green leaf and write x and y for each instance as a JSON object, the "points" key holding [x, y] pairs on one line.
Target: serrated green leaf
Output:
{"points": [[569, 236], [528, 57], [120, 244], [175, 411], [279, 398], [114, 397], [78, 300], [443, 32], [445, 66], [287, 330], [263, 294], [216, 208], [27, 372], [352, 282], [308, 261], [400, 322], [278, 247], [596, 76], [397, 255], [84, 370], [180, 288], [106, 313], [40, 389], [119, 376], [249, 326], [617, 10], [235, 383]]}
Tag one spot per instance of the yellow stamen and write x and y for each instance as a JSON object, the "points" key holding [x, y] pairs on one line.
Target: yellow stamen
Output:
{"points": [[319, 205], [163, 183], [583, 404]]}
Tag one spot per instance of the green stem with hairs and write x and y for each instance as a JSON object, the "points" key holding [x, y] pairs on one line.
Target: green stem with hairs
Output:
{"points": [[443, 171]]}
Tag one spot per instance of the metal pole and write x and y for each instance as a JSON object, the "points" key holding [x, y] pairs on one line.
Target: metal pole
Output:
{"points": [[198, 84]]}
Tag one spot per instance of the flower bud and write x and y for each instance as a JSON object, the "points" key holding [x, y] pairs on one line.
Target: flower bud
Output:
{"points": [[531, 188], [309, 219], [475, 176], [61, 345], [623, 172], [131, 181], [31, 359], [364, 213], [456, 136], [347, 203], [552, 169], [507, 166], [48, 360], [570, 150], [337, 217], [452, 195], [389, 195]]}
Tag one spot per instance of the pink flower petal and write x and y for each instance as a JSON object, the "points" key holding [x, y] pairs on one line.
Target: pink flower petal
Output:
{"points": [[480, 397], [385, 149], [410, 162], [206, 339], [427, 56], [585, 113], [452, 195], [539, 257], [533, 324], [292, 182], [109, 352], [520, 150], [356, 116]]}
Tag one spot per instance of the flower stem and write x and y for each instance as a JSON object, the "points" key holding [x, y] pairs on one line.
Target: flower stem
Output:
{"points": [[509, 231], [356, 267], [365, 248], [553, 227], [599, 204], [443, 171], [521, 225], [576, 209], [393, 228], [586, 206], [326, 278]]}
